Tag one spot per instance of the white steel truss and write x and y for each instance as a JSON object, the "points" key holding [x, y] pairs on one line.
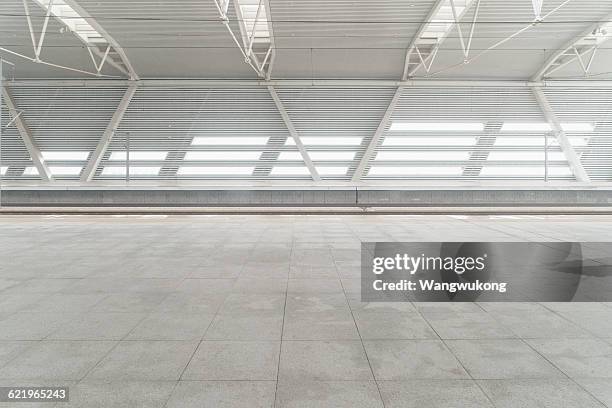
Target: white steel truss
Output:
{"points": [[582, 49], [26, 136], [257, 45], [564, 143], [443, 17], [537, 20], [102, 48]]}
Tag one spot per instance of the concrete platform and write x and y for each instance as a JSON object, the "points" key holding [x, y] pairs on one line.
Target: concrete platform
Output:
{"points": [[262, 311]]}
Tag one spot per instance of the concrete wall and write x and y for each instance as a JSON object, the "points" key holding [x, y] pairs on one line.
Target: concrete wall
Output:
{"points": [[304, 197]]}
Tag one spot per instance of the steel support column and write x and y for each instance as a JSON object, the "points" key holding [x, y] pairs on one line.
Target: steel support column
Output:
{"points": [[566, 146], [374, 142], [294, 134], [96, 157], [26, 136]]}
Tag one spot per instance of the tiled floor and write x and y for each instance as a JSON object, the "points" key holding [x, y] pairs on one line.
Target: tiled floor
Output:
{"points": [[261, 311]]}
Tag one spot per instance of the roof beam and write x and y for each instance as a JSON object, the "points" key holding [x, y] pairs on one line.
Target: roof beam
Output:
{"points": [[294, 134], [26, 136], [541, 73], [105, 140], [566, 146], [308, 83], [376, 138]]}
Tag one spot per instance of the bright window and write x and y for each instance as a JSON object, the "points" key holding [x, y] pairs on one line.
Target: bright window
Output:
{"points": [[290, 171], [425, 155], [139, 156], [30, 171], [221, 156], [318, 156], [526, 171], [429, 141], [415, 171], [327, 141], [215, 171], [437, 126], [65, 156], [230, 140], [65, 170], [134, 171]]}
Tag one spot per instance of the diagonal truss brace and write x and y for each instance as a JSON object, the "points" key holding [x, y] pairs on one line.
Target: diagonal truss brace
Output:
{"points": [[26, 136], [566, 146], [294, 134], [95, 159], [376, 138]]}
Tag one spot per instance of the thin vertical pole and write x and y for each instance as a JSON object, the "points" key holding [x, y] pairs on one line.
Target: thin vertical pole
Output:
{"points": [[546, 157], [127, 157]]}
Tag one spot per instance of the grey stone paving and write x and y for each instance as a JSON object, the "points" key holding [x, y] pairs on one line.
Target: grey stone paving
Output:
{"points": [[264, 311]]}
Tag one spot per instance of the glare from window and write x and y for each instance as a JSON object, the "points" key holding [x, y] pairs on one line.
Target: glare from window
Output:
{"points": [[424, 155], [134, 171], [437, 126], [65, 156], [65, 170], [215, 171], [429, 141], [139, 156], [221, 156], [230, 140], [328, 141], [415, 171]]}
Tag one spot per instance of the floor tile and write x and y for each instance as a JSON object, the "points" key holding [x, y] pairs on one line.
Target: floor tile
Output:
{"points": [[97, 326], [171, 326], [145, 360], [392, 326], [234, 360], [433, 394], [323, 360], [600, 388], [577, 357], [246, 327], [467, 326], [327, 394], [412, 359], [501, 359], [56, 360], [223, 394], [538, 393], [336, 325], [119, 394]]}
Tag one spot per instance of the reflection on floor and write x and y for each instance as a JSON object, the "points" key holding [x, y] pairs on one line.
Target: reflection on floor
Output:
{"points": [[261, 311]]}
